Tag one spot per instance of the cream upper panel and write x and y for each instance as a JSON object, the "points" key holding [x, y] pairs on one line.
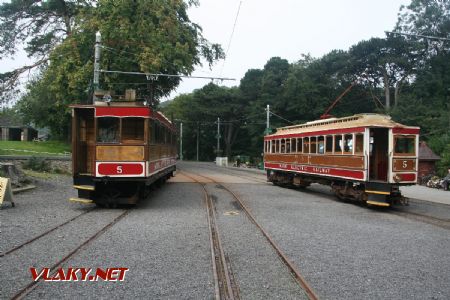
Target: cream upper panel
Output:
{"points": [[361, 120]]}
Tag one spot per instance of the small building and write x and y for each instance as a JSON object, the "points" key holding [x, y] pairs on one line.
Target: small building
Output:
{"points": [[12, 129], [427, 160]]}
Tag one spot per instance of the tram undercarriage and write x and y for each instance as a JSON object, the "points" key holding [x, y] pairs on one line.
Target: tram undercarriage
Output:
{"points": [[110, 192], [370, 193]]}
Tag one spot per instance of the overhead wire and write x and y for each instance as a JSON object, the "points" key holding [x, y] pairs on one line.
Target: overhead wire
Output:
{"points": [[231, 38]]}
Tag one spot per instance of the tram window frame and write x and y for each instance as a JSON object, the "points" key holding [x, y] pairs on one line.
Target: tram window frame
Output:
{"points": [[329, 144], [313, 145], [359, 143], [338, 144], [306, 145], [293, 145], [405, 137], [299, 145], [111, 133], [321, 141], [346, 144], [130, 129]]}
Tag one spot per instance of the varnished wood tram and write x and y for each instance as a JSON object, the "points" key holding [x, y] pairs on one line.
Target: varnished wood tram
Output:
{"points": [[119, 149], [364, 157]]}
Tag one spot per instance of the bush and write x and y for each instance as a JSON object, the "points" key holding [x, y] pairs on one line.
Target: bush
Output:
{"points": [[38, 164]]}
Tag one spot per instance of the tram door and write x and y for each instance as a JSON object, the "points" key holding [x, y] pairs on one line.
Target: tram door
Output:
{"points": [[83, 140], [379, 154]]}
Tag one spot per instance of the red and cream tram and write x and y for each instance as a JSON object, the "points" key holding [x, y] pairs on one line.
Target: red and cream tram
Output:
{"points": [[118, 150], [363, 157]]}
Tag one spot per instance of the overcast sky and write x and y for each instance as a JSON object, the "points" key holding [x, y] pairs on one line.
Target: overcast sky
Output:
{"points": [[285, 28]]}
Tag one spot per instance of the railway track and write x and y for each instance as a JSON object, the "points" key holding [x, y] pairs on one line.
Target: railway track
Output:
{"points": [[225, 286], [442, 223], [53, 269], [292, 268], [12, 250]]}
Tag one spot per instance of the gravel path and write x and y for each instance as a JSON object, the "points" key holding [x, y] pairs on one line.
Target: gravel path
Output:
{"points": [[163, 241], [344, 251], [38, 210], [257, 269], [351, 252]]}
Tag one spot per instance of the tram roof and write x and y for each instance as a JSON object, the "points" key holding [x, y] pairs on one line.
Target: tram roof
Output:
{"points": [[359, 120]]}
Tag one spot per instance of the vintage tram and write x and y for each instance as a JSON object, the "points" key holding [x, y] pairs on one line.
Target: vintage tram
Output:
{"points": [[364, 157], [119, 149]]}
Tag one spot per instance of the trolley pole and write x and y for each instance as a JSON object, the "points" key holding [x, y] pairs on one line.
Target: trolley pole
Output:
{"points": [[268, 119], [181, 141]]}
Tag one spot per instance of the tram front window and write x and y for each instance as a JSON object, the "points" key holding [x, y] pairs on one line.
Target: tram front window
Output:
{"points": [[405, 145], [108, 130]]}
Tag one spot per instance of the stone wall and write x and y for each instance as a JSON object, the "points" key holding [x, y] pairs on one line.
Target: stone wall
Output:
{"points": [[58, 164]]}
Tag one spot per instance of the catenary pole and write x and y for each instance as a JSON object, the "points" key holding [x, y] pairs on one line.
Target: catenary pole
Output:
{"points": [[181, 141], [218, 137]]}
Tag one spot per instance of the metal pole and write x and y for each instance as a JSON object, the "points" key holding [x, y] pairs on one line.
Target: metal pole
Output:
{"points": [[268, 119], [218, 137], [198, 133], [181, 141], [98, 40]]}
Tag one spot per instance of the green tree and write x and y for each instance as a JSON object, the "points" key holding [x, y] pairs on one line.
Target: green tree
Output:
{"points": [[138, 35]]}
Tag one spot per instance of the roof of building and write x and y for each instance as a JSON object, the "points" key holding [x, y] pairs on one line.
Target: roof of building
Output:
{"points": [[12, 121], [360, 120], [425, 152]]}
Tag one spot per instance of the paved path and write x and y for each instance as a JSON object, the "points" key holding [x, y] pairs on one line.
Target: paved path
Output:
{"points": [[427, 194]]}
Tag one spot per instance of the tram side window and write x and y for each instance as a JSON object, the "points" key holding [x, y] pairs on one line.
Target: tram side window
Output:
{"points": [[329, 144], [132, 130], [283, 146], [305, 145], [299, 145], [348, 143], [405, 144], [313, 145], [320, 145], [293, 146], [108, 130], [338, 144], [359, 143]]}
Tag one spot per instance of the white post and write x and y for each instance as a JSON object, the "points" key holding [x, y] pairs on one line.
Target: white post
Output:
{"points": [[98, 40]]}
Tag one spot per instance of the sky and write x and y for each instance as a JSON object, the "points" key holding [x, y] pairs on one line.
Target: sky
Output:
{"points": [[284, 28]]}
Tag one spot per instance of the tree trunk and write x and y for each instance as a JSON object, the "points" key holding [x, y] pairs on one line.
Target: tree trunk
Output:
{"points": [[9, 170], [386, 91]]}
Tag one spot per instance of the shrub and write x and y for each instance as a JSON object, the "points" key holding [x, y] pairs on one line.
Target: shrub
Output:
{"points": [[38, 164]]}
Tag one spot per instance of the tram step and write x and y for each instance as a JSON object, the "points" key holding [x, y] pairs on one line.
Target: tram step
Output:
{"points": [[81, 200], [377, 203], [84, 187], [377, 199]]}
